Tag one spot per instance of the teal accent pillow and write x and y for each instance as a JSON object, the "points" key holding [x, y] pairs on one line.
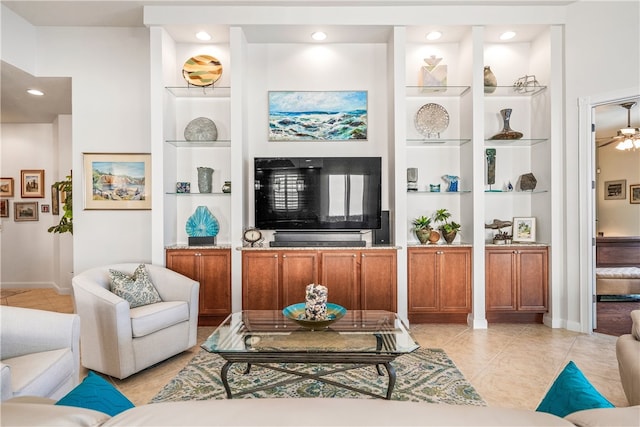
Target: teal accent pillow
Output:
{"points": [[98, 394], [572, 392], [136, 289]]}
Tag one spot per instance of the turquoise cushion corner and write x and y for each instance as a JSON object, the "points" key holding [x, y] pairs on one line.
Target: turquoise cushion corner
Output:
{"points": [[98, 394], [572, 392]]}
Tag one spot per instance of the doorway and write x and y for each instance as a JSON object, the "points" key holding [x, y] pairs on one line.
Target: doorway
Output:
{"points": [[616, 219]]}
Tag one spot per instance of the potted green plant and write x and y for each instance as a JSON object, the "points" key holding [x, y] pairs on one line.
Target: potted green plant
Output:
{"points": [[448, 227], [66, 222], [422, 228]]}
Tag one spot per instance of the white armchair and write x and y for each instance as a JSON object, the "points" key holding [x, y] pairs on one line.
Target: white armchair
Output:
{"points": [[119, 341], [40, 352]]}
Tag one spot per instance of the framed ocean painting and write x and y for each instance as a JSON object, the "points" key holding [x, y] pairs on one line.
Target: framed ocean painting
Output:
{"points": [[317, 115]]}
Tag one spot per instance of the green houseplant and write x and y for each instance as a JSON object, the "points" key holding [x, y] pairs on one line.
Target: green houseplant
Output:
{"points": [[66, 221], [422, 228], [449, 228]]}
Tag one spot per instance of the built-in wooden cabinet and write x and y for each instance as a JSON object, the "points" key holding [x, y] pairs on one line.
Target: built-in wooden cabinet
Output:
{"points": [[439, 287], [212, 268], [516, 282], [356, 279]]}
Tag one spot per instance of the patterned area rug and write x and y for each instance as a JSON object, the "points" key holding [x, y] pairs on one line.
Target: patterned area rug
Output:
{"points": [[426, 375]]}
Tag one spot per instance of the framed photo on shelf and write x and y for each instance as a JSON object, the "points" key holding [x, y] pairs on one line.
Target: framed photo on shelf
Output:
{"points": [[25, 211], [4, 208], [32, 183], [318, 115], [6, 187], [634, 193], [117, 181], [524, 229], [615, 190]]}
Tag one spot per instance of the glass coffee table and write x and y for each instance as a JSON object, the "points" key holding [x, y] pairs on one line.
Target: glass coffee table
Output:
{"points": [[267, 338]]}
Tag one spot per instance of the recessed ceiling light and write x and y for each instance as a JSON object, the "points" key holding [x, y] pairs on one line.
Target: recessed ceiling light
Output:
{"points": [[203, 35], [507, 35], [434, 35], [35, 92], [318, 35]]}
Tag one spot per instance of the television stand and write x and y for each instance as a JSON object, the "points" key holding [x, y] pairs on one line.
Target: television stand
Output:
{"points": [[317, 239]]}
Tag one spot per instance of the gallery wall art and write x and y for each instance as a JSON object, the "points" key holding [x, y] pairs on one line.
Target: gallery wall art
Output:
{"points": [[317, 115]]}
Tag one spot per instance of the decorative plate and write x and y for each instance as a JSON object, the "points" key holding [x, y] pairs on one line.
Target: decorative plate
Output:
{"points": [[202, 70], [201, 129], [296, 313], [202, 223], [431, 119]]}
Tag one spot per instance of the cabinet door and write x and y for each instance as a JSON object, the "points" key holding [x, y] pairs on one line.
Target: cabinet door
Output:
{"points": [[532, 279], [500, 280], [299, 269], [422, 289], [378, 280], [454, 273], [260, 275], [339, 273], [184, 262], [215, 282]]}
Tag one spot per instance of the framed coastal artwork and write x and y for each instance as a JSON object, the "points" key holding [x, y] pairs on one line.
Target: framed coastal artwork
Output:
{"points": [[117, 181], [32, 183], [318, 115], [524, 229], [6, 187]]}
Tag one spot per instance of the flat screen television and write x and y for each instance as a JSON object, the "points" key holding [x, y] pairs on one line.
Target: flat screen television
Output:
{"points": [[318, 193]]}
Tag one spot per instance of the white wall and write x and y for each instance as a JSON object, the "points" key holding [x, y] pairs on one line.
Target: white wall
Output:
{"points": [[27, 247], [599, 37]]}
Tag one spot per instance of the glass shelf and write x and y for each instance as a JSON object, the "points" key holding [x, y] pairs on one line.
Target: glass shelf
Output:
{"points": [[220, 143], [513, 142], [200, 92], [514, 91], [437, 91], [435, 142], [515, 192], [214, 193], [448, 193]]}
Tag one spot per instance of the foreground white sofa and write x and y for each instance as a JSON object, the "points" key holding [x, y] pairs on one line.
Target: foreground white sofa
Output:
{"points": [[40, 352], [628, 354], [305, 412], [119, 341]]}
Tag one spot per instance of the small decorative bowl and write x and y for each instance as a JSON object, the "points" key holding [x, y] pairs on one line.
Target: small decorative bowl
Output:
{"points": [[296, 313]]}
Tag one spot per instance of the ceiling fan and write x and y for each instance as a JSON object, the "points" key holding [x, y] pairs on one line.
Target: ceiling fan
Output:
{"points": [[627, 138]]}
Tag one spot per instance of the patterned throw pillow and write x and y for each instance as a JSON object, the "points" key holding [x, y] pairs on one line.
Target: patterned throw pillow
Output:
{"points": [[136, 289]]}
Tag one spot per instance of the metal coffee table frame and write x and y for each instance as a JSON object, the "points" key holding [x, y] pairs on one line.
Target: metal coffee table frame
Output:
{"points": [[235, 345]]}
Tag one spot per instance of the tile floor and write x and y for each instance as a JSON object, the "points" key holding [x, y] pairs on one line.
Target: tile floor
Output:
{"points": [[510, 365]]}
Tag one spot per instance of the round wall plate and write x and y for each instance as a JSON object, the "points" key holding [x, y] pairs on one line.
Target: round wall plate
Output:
{"points": [[202, 70]]}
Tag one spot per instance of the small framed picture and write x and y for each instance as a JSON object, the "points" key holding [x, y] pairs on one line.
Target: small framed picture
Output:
{"points": [[4, 208], [25, 211], [55, 200], [615, 190], [524, 229], [44, 208], [6, 187], [32, 183], [634, 193]]}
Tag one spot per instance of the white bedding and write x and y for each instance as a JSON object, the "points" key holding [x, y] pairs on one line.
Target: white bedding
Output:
{"points": [[618, 272]]}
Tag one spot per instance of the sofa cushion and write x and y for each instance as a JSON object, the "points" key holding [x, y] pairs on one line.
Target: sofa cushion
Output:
{"points": [[571, 392], [606, 417], [98, 394], [150, 318], [39, 374], [17, 413], [635, 326], [136, 289]]}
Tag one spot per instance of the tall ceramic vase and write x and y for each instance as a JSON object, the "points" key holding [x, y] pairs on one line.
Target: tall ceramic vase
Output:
{"points": [[205, 176]]}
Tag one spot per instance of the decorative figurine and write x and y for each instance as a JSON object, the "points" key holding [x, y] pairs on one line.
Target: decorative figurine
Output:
{"points": [[452, 182]]}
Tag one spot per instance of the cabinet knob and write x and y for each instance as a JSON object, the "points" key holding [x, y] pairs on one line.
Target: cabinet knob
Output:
{"points": [[439, 252], [363, 255], [283, 256], [275, 256], [354, 255]]}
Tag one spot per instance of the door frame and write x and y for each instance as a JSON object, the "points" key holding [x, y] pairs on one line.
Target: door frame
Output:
{"points": [[587, 174]]}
